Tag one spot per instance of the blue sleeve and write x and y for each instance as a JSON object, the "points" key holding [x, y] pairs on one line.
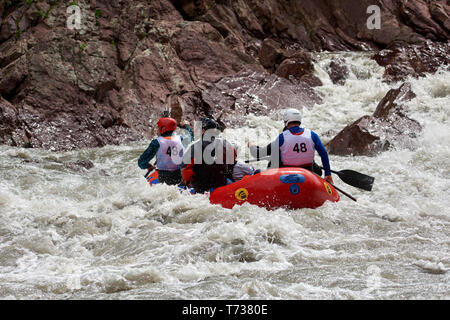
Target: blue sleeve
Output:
{"points": [[322, 153], [148, 154], [280, 140]]}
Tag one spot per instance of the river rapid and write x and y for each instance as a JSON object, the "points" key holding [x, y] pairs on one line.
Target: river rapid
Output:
{"points": [[71, 233]]}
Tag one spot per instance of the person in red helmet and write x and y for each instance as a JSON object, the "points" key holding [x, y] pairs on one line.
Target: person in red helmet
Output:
{"points": [[168, 149]]}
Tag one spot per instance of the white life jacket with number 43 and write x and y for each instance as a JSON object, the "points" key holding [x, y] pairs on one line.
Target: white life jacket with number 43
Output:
{"points": [[170, 153], [297, 149]]}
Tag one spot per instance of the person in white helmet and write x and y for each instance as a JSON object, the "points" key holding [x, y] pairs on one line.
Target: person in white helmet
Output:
{"points": [[296, 146]]}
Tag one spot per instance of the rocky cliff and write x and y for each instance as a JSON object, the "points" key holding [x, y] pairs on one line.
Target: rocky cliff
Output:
{"points": [[108, 81]]}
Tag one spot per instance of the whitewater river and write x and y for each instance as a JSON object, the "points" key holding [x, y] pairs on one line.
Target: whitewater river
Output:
{"points": [[73, 233]]}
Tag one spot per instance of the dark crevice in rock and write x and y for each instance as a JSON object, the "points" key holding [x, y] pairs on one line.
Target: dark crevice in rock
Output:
{"points": [[10, 59], [120, 63], [178, 4], [103, 89], [224, 32], [10, 95]]}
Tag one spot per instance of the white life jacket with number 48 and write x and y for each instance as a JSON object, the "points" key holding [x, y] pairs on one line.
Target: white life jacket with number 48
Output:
{"points": [[297, 149], [170, 153]]}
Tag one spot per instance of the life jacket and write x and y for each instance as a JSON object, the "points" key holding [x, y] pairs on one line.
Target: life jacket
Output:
{"points": [[207, 176], [297, 149], [170, 153]]}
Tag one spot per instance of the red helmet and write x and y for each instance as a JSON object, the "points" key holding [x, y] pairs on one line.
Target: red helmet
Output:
{"points": [[166, 124]]}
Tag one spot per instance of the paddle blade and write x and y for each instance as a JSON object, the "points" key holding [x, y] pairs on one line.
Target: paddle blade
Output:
{"points": [[356, 179]]}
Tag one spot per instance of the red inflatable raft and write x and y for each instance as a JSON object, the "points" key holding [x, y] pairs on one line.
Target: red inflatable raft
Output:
{"points": [[292, 188]]}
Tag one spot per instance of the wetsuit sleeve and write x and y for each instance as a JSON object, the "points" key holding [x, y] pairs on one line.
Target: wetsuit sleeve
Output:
{"points": [[190, 132], [322, 153], [148, 154]]}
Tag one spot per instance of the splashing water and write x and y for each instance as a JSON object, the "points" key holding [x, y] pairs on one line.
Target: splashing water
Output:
{"points": [[103, 233]]}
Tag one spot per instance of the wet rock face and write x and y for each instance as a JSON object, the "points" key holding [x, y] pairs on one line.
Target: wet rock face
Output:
{"points": [[415, 60], [9, 134], [388, 127], [258, 93], [324, 24], [338, 71], [299, 67], [290, 63], [271, 54], [108, 82], [430, 18]]}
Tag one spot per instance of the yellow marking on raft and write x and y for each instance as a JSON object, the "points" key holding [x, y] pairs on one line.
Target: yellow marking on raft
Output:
{"points": [[241, 194], [327, 187]]}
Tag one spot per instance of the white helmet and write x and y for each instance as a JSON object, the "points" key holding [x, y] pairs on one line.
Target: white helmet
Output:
{"points": [[292, 115]]}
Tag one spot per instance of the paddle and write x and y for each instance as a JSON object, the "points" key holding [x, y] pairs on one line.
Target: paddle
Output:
{"points": [[343, 192], [355, 179], [350, 177]]}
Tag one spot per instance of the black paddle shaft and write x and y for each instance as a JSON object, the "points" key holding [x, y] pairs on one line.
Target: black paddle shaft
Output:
{"points": [[344, 193], [257, 160]]}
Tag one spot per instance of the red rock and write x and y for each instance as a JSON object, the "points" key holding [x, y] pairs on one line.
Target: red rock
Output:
{"points": [[8, 123], [414, 60], [300, 67], [388, 127], [357, 139], [393, 102], [271, 54], [108, 82], [417, 14], [440, 11]]}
